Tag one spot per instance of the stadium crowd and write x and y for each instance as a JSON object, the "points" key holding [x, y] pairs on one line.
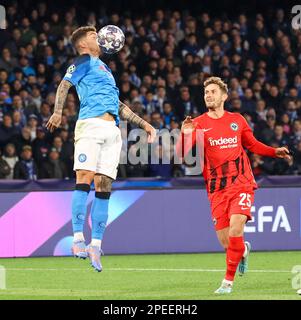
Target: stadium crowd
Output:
{"points": [[160, 72]]}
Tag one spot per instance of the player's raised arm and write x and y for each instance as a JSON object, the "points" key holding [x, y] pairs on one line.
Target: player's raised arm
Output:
{"points": [[255, 146], [188, 126], [187, 138], [126, 113], [60, 98]]}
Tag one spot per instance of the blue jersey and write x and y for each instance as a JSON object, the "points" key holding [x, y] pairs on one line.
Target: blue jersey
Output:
{"points": [[95, 85]]}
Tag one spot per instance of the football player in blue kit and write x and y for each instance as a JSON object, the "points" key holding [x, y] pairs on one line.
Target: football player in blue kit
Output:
{"points": [[97, 138]]}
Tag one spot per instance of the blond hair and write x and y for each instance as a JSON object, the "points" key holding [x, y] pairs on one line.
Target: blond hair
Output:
{"points": [[218, 81]]}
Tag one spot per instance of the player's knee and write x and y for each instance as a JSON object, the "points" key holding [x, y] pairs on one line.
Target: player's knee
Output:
{"points": [[84, 177], [236, 230]]}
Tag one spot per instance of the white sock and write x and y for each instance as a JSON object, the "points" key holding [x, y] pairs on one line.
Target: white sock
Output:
{"points": [[96, 243], [246, 251], [228, 282], [78, 236]]}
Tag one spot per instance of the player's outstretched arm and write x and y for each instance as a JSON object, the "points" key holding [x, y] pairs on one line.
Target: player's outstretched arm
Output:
{"points": [[255, 146], [127, 114], [60, 98]]}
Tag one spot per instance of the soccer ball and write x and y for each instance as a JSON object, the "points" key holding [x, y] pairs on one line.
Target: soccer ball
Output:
{"points": [[111, 39]]}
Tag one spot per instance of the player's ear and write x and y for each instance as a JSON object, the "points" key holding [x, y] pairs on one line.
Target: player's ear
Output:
{"points": [[224, 97], [81, 43]]}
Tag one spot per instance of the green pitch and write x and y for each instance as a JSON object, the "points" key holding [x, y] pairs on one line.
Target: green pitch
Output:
{"points": [[170, 276]]}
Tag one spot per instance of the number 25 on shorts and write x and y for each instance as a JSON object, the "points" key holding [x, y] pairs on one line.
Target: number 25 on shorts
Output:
{"points": [[245, 201]]}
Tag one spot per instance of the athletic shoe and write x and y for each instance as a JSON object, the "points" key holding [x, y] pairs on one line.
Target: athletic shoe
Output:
{"points": [[94, 254], [79, 249], [225, 288], [243, 265]]}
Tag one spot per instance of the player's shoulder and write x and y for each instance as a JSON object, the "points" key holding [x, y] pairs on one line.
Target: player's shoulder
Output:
{"points": [[200, 119], [235, 116], [236, 120], [82, 59], [78, 67]]}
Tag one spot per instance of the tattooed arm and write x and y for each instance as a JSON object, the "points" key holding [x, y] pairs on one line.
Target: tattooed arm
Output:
{"points": [[127, 114], [60, 98]]}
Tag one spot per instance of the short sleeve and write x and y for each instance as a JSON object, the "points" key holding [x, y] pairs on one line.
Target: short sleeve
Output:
{"points": [[78, 69]]}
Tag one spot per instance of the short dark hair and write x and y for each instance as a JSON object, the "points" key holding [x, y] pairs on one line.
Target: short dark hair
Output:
{"points": [[79, 33]]}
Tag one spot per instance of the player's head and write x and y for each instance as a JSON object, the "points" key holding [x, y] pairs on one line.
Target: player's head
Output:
{"points": [[215, 92], [84, 39]]}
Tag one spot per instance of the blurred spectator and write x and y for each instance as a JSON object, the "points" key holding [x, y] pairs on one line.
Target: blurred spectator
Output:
{"points": [[168, 114], [261, 111], [32, 125], [67, 150], [156, 120], [45, 113], [7, 130], [280, 137], [53, 168], [26, 168], [17, 105], [4, 168], [260, 166], [22, 140], [10, 156], [184, 105], [248, 103], [267, 134], [7, 62], [285, 121], [27, 32], [296, 137], [40, 146]]}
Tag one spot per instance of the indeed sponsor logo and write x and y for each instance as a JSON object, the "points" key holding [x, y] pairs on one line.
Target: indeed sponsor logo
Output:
{"points": [[223, 141]]}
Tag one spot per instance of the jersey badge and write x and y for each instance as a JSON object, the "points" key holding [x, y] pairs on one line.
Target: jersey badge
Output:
{"points": [[82, 157], [234, 126]]}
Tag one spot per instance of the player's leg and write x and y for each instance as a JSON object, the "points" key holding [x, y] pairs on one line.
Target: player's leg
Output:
{"points": [[220, 208], [236, 246], [100, 207], [106, 172], [85, 161], [79, 210], [223, 237], [242, 204], [235, 251], [222, 227], [99, 217]]}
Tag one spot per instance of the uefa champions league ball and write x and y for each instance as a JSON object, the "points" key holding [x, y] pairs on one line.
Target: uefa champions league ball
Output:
{"points": [[111, 39]]}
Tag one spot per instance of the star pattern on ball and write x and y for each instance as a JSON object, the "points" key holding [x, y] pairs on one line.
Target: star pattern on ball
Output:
{"points": [[108, 45], [119, 37]]}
